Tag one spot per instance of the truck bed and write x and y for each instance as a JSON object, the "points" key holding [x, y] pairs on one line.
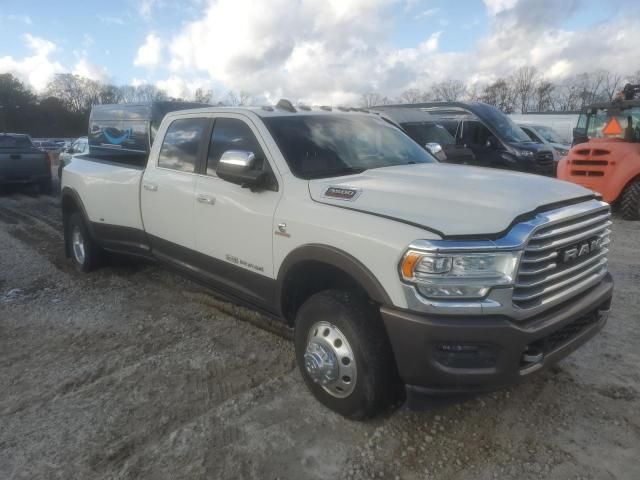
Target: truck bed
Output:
{"points": [[109, 189]]}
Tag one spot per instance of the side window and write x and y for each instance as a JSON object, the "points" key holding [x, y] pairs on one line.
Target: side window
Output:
{"points": [[179, 149], [531, 135], [232, 134], [475, 133]]}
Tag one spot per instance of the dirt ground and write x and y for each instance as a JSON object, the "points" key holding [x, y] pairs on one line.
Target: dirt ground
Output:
{"points": [[133, 372]]}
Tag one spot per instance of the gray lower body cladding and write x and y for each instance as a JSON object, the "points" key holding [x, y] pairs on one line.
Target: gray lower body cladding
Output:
{"points": [[458, 354]]}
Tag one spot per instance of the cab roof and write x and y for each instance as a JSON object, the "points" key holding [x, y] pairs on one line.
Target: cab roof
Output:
{"points": [[282, 108]]}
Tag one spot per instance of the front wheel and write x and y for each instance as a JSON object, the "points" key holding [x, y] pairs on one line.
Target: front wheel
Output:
{"points": [[85, 253], [630, 202], [344, 355]]}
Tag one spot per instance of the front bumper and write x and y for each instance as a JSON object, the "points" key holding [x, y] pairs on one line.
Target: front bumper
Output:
{"points": [[457, 353]]}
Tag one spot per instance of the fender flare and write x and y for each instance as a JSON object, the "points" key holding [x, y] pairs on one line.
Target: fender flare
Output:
{"points": [[68, 192], [337, 258]]}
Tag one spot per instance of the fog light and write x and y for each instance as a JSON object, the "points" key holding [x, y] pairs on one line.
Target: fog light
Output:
{"points": [[466, 355], [449, 291]]}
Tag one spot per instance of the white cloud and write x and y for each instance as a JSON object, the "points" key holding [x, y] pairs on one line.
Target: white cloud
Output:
{"points": [[147, 7], [85, 68], [36, 69], [110, 20], [178, 87], [150, 53], [426, 13], [333, 51], [496, 6], [26, 19]]}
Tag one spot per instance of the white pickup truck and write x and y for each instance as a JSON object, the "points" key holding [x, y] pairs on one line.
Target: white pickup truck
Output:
{"points": [[393, 269]]}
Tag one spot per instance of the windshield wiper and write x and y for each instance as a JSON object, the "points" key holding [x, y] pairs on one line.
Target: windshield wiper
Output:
{"points": [[336, 172]]}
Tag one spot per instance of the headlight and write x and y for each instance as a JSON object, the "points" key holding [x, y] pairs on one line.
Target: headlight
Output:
{"points": [[464, 275], [562, 152], [524, 153]]}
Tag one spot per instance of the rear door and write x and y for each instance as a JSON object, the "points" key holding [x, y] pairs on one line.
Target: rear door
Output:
{"points": [[233, 225], [168, 187]]}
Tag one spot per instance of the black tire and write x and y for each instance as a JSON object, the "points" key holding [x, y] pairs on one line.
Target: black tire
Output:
{"points": [[360, 323], [45, 187], [630, 202], [92, 253]]}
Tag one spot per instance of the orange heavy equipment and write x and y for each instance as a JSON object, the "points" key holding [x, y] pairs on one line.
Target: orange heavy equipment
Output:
{"points": [[608, 160]]}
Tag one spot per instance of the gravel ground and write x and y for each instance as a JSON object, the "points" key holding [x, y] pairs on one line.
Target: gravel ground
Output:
{"points": [[133, 372]]}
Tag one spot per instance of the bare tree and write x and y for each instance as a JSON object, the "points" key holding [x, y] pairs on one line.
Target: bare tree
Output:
{"points": [[372, 99], [500, 94], [234, 99], [612, 83], [590, 86], [634, 77], [473, 93], [203, 96], [524, 81], [413, 95], [76, 92], [448, 90], [543, 96], [149, 93]]}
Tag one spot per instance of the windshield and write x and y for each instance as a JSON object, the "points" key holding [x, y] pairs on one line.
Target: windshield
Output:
{"points": [[549, 134], [428, 132], [504, 126], [617, 123], [8, 141], [317, 146]]}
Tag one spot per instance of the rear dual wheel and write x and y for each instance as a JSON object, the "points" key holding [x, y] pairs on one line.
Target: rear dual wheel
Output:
{"points": [[343, 353], [85, 253]]}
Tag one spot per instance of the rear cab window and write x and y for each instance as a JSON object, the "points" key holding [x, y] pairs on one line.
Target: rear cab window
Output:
{"points": [[12, 142], [181, 143]]}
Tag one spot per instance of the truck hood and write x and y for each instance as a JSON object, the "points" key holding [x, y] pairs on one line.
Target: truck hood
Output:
{"points": [[450, 200]]}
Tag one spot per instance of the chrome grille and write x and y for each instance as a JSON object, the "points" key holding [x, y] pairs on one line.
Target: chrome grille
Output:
{"points": [[544, 276]]}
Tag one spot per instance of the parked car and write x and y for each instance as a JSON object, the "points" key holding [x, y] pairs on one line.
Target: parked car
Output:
{"points": [[21, 162], [390, 267], [494, 138], [547, 136], [79, 146], [428, 133]]}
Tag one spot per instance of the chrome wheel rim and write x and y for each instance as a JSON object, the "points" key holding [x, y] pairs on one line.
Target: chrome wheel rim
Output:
{"points": [[77, 242], [329, 360]]}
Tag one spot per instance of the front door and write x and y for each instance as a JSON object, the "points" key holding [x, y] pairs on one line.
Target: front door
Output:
{"points": [[234, 226], [476, 136]]}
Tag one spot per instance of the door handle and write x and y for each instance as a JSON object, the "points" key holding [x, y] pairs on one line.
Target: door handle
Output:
{"points": [[206, 199], [152, 187]]}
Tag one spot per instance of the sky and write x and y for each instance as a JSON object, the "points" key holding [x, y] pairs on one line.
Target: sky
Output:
{"points": [[317, 51]]}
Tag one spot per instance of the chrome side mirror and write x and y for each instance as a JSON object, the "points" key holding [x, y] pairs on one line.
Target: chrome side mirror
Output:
{"points": [[433, 148], [237, 161], [238, 166]]}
